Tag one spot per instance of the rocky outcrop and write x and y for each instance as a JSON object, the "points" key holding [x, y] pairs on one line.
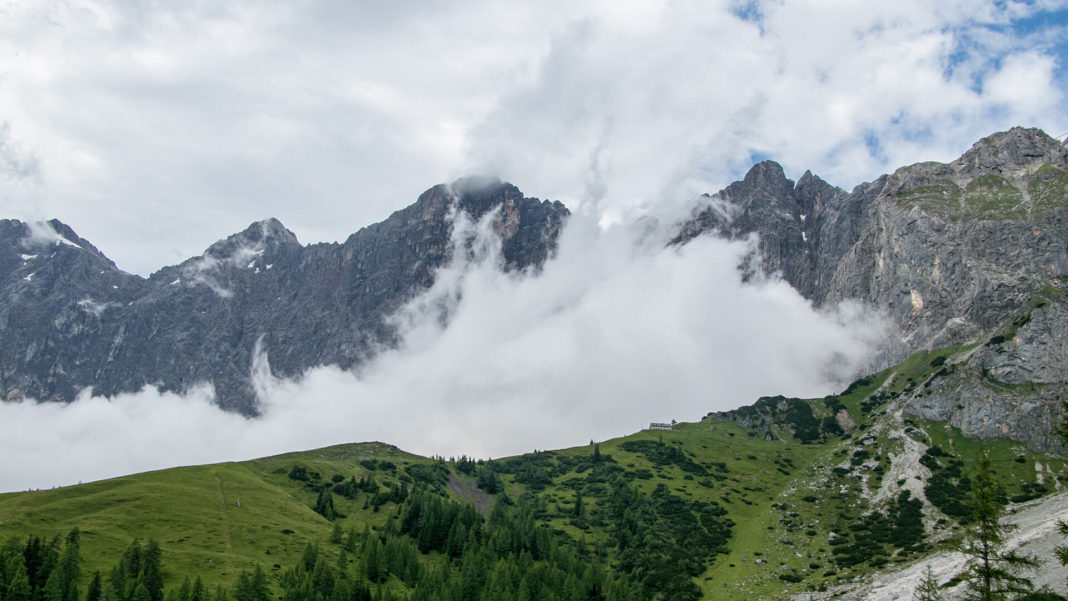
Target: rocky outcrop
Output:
{"points": [[949, 250], [1013, 385], [802, 230], [70, 319], [944, 251]]}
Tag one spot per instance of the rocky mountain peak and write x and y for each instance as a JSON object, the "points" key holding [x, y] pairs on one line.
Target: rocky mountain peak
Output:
{"points": [[475, 196], [814, 196], [257, 237], [486, 188], [767, 173], [44, 259], [1006, 159], [764, 182], [36, 235], [272, 230], [1013, 150]]}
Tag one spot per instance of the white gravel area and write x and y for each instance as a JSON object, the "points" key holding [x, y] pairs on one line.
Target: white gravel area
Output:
{"points": [[1037, 535]]}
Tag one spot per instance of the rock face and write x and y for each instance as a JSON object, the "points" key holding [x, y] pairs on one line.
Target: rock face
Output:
{"points": [[949, 250], [945, 251], [803, 230], [1013, 384], [70, 319]]}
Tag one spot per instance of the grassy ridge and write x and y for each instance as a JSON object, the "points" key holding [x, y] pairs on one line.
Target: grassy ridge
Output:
{"points": [[214, 520]]}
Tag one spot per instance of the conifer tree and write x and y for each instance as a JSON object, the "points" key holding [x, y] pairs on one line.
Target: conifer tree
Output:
{"points": [[19, 587], [992, 573], [928, 589], [95, 590], [1061, 552], [62, 581], [199, 593], [151, 575], [372, 562], [351, 540], [324, 505], [184, 592], [252, 587]]}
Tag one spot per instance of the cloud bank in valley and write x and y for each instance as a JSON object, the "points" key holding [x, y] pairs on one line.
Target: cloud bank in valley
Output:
{"points": [[616, 331]]}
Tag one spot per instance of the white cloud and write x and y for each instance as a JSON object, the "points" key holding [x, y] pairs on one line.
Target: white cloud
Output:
{"points": [[1024, 84], [154, 131], [617, 331], [41, 233]]}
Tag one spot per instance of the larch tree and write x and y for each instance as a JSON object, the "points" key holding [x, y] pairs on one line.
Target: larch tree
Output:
{"points": [[992, 572]]}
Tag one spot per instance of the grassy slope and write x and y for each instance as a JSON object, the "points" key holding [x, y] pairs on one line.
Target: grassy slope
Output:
{"points": [[213, 520]]}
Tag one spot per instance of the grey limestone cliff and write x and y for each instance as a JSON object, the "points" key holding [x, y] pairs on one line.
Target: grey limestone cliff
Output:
{"points": [[1009, 385], [70, 319], [944, 251]]}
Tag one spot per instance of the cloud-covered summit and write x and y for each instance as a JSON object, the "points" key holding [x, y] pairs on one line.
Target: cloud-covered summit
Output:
{"points": [[616, 330]]}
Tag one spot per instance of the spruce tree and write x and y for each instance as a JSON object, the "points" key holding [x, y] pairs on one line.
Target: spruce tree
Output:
{"points": [[69, 566], [324, 505], [199, 593], [992, 573], [252, 587], [53, 588], [351, 540], [95, 591], [928, 589], [184, 592], [260, 591], [151, 575], [1061, 551], [19, 587]]}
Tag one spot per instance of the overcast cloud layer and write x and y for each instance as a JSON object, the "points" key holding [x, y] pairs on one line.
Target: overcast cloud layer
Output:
{"points": [[156, 130]]}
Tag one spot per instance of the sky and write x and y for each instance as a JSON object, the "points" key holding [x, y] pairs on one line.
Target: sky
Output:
{"points": [[155, 129]]}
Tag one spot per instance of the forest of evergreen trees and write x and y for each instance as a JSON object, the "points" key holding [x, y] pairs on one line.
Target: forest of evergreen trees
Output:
{"points": [[432, 549]]}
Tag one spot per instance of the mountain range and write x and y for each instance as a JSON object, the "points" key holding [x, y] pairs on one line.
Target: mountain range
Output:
{"points": [[951, 254], [71, 319]]}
